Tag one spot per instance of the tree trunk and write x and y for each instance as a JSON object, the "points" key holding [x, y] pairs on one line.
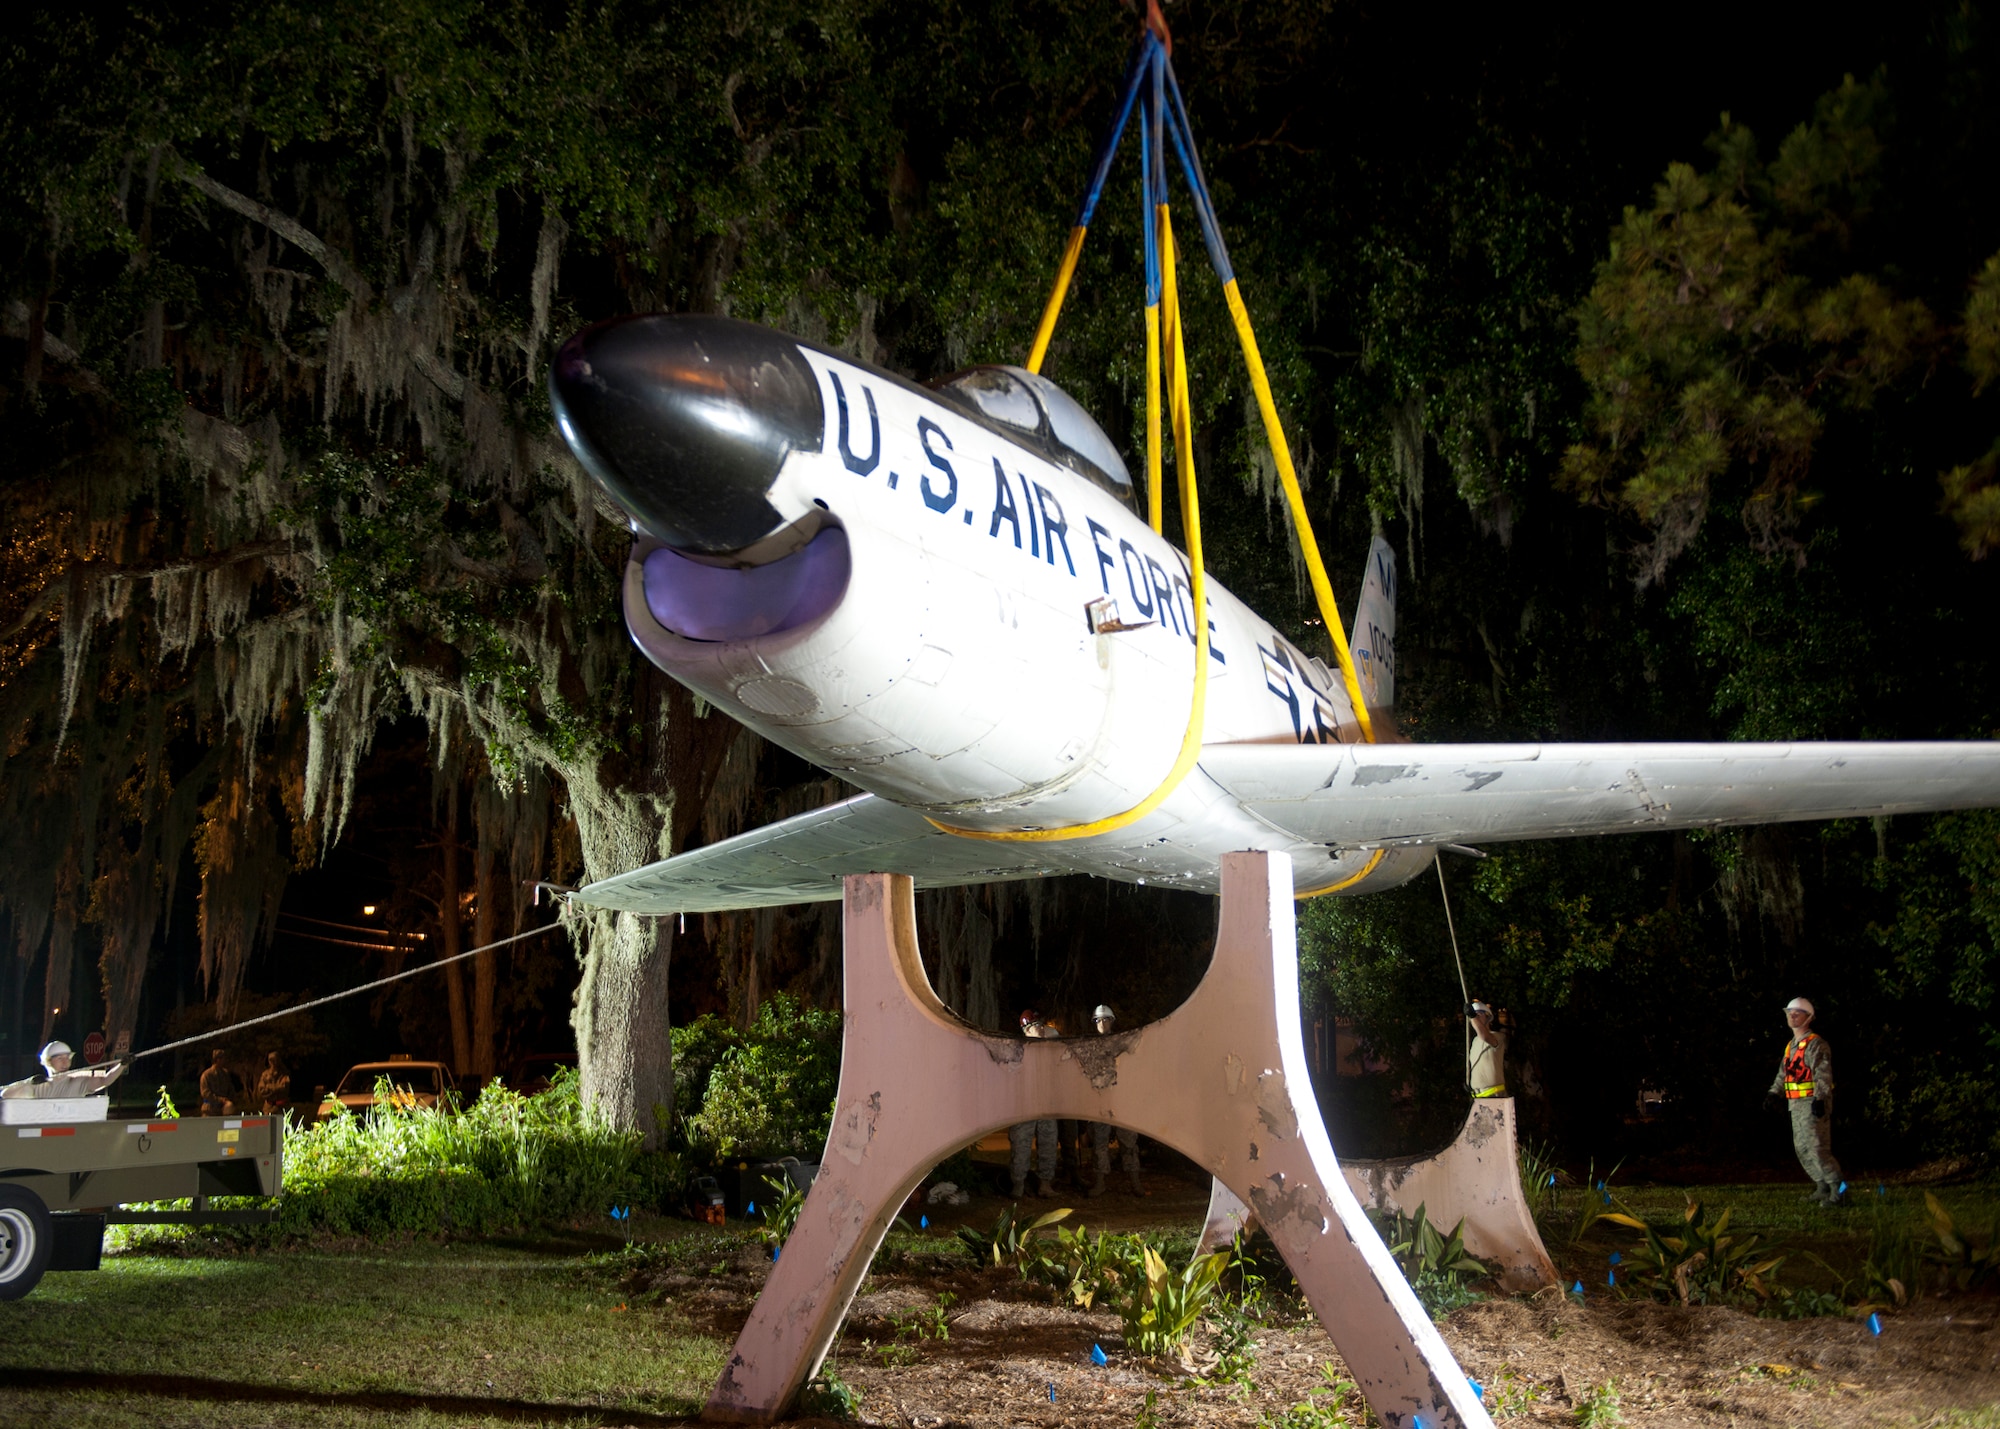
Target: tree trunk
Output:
{"points": [[485, 966], [448, 931], [624, 1051], [622, 1039]]}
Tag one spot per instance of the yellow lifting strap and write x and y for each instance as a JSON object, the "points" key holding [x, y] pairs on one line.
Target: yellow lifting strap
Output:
{"points": [[1166, 348], [1190, 750], [1281, 453], [1071, 251], [1274, 434]]}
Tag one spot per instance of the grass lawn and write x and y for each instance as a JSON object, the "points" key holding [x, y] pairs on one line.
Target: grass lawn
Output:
{"points": [[541, 1331], [486, 1332], [1885, 1219]]}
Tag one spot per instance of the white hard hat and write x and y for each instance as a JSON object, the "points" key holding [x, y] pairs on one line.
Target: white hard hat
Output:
{"points": [[1103, 1014], [1799, 1004], [54, 1050]]}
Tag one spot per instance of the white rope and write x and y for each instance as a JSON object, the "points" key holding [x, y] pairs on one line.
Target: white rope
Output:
{"points": [[1464, 994], [337, 996]]}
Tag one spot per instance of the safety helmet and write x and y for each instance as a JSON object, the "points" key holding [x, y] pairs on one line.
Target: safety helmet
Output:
{"points": [[1799, 1004], [1030, 1016], [54, 1050], [1103, 1013]]}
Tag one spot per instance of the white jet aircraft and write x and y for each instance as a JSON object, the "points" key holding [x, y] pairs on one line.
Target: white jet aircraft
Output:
{"points": [[947, 596]]}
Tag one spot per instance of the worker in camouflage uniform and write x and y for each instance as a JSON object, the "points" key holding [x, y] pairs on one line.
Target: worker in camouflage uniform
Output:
{"points": [[1106, 1022], [274, 1086], [1804, 1085], [1034, 1140], [219, 1090]]}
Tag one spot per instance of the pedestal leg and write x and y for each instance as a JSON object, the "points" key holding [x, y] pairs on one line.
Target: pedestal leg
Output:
{"points": [[1475, 1181], [1216, 1079]]}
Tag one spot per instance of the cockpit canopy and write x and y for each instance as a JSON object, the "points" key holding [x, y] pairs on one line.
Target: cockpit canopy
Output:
{"points": [[1045, 418]]}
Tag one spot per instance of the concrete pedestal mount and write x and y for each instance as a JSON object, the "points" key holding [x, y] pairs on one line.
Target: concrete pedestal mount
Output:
{"points": [[1215, 1080], [1476, 1178]]}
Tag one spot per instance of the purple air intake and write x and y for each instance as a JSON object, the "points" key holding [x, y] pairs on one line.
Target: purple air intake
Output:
{"points": [[702, 602]]}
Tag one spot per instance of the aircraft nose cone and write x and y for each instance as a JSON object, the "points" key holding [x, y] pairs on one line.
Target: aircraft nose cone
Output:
{"points": [[686, 422]]}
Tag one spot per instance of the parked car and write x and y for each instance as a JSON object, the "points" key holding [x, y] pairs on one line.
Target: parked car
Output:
{"points": [[414, 1083]]}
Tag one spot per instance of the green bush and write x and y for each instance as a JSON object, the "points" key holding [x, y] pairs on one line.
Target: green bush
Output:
{"points": [[697, 1048], [771, 1092], [507, 1161]]}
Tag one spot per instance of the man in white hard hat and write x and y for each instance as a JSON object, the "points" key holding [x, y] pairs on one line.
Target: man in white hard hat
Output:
{"points": [[62, 1082], [1804, 1085], [1486, 1061], [1106, 1021]]}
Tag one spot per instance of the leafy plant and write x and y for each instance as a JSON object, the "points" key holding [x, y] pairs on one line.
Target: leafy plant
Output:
{"points": [[1598, 1408], [1418, 1247], [1161, 1314], [781, 1211], [1860, 1294], [1335, 1404], [1235, 1319], [1699, 1261], [1148, 1416], [1010, 1242], [1082, 1268], [930, 1322], [1511, 1393], [1542, 1179], [1440, 1294], [1802, 1302], [1895, 1261], [1593, 1201], [1437, 1266], [1963, 1264], [828, 1396]]}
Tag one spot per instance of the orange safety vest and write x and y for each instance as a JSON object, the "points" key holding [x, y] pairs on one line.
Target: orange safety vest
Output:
{"points": [[1798, 1071]]}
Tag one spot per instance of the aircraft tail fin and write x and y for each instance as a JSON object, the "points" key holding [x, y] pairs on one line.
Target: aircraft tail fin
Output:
{"points": [[1373, 639]]}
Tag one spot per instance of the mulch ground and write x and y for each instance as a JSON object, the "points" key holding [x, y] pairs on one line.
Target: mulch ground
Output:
{"points": [[1014, 1358]]}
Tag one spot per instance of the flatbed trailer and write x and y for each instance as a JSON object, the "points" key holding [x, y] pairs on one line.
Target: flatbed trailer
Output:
{"points": [[64, 1178]]}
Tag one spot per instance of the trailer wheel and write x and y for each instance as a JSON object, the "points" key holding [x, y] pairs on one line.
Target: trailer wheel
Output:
{"points": [[26, 1240]]}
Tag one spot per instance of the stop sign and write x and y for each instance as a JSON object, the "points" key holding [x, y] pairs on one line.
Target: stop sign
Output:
{"points": [[93, 1048]]}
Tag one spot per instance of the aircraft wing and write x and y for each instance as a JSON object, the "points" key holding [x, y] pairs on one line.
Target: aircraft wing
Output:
{"points": [[804, 859], [1386, 794]]}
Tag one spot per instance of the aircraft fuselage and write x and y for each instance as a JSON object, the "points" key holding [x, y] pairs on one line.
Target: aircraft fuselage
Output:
{"points": [[972, 629]]}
